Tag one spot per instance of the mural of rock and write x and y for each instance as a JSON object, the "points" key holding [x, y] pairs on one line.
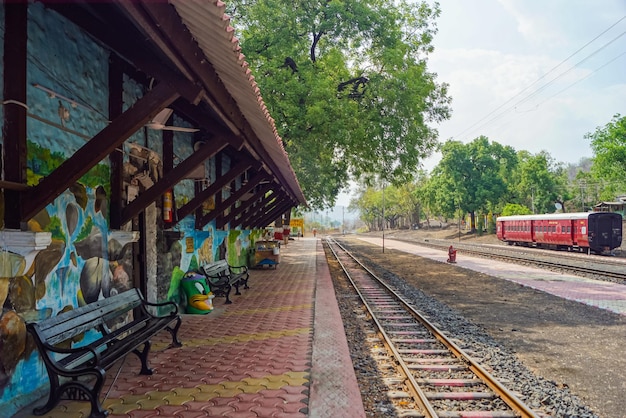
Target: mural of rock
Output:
{"points": [[94, 278], [91, 246], [11, 264], [71, 217], [12, 344], [4, 289], [45, 261], [102, 203], [80, 193]]}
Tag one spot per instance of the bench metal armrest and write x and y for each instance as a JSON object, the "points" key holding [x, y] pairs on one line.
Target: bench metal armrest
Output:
{"points": [[244, 268], [162, 304], [79, 351]]}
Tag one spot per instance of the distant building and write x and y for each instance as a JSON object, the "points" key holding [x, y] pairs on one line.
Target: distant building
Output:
{"points": [[617, 206]]}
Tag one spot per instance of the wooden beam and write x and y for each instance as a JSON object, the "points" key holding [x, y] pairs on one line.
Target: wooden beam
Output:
{"points": [[233, 199], [245, 205], [116, 159], [99, 147], [14, 109], [258, 211], [171, 178], [273, 213], [177, 42], [213, 188], [254, 206], [127, 43]]}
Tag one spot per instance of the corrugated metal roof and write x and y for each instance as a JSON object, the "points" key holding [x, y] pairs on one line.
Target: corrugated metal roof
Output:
{"points": [[210, 27]]}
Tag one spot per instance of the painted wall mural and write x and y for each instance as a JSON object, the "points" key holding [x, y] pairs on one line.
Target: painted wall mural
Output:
{"points": [[87, 261]]}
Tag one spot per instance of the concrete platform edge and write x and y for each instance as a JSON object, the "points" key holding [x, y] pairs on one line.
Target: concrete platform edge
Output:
{"points": [[334, 389]]}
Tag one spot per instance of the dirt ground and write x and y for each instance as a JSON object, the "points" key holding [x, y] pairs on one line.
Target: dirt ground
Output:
{"points": [[574, 345]]}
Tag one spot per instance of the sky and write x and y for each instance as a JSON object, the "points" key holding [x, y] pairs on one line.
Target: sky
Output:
{"points": [[533, 74], [537, 75]]}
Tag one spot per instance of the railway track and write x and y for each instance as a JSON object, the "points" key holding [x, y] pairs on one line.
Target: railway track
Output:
{"points": [[429, 374], [592, 266]]}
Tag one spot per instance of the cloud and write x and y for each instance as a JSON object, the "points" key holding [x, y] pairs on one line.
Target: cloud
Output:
{"points": [[535, 25]]}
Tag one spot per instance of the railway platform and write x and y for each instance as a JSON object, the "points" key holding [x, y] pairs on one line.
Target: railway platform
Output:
{"points": [[598, 293], [279, 350]]}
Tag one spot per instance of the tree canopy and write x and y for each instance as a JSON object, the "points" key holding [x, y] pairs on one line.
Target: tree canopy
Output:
{"points": [[609, 163], [471, 175], [347, 84]]}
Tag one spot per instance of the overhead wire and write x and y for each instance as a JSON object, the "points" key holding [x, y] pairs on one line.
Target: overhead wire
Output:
{"points": [[543, 87], [545, 75], [582, 79]]}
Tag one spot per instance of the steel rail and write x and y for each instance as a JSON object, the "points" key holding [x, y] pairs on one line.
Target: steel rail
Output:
{"points": [[502, 392], [615, 270], [414, 387]]}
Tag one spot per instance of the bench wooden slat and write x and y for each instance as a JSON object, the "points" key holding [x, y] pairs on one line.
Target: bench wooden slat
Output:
{"points": [[77, 321]]}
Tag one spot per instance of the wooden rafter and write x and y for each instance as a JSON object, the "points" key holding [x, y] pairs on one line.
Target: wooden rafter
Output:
{"points": [[213, 188], [98, 148]]}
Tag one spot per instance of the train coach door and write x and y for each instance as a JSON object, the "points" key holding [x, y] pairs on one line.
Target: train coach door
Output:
{"points": [[606, 230]]}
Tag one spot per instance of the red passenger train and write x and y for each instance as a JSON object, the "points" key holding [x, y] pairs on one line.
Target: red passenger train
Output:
{"points": [[599, 232]]}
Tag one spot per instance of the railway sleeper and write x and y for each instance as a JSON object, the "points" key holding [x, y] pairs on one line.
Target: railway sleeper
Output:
{"points": [[414, 341], [422, 351], [430, 360], [438, 367], [449, 382], [459, 396], [477, 414]]}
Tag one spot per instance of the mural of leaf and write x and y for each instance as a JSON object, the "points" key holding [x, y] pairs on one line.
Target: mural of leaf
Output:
{"points": [[71, 217], [85, 230], [80, 194]]}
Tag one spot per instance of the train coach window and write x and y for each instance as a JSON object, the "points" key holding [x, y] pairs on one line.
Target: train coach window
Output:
{"points": [[568, 229]]}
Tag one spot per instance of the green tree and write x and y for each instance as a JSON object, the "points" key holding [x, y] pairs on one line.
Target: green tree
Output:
{"points": [[515, 209], [541, 182], [470, 175], [369, 204], [609, 162], [347, 84]]}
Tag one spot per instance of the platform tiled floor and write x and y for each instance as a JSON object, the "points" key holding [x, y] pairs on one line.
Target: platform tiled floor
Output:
{"points": [[278, 350]]}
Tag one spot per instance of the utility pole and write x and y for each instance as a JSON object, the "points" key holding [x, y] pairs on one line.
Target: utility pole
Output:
{"points": [[343, 220], [383, 226]]}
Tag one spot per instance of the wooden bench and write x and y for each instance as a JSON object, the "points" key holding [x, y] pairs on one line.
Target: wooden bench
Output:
{"points": [[221, 277], [79, 371]]}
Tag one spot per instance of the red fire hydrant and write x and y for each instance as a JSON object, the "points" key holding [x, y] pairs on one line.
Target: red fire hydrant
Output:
{"points": [[451, 255]]}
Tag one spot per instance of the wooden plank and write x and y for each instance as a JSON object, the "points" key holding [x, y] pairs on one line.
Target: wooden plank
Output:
{"points": [[79, 320]]}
